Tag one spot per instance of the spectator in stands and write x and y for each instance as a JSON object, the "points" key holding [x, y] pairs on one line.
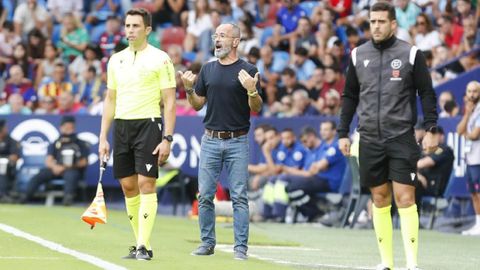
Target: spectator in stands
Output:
{"points": [[323, 36], [463, 10], [303, 66], [66, 159], [333, 79], [20, 58], [46, 67], [253, 55], [205, 44], [8, 39], [9, 154], [58, 83], [112, 36], [168, 12], [469, 32], [59, 8], [15, 106], [406, 12], [332, 103], [270, 68], [242, 9], [90, 57], [426, 38], [29, 15], [469, 127], [434, 169], [341, 8], [102, 9], [353, 38], [337, 50], [450, 71], [73, 38], [304, 37], [290, 85], [68, 105], [46, 105], [451, 108], [450, 34], [175, 52], [287, 21], [301, 104], [315, 84], [198, 21], [248, 40], [443, 98], [36, 41], [89, 91], [18, 84]]}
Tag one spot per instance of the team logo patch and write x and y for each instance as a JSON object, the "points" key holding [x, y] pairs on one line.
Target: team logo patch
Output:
{"points": [[396, 64], [281, 155], [365, 62], [412, 175], [297, 156]]}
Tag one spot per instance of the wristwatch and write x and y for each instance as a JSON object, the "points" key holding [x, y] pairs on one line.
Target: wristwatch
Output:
{"points": [[169, 138]]}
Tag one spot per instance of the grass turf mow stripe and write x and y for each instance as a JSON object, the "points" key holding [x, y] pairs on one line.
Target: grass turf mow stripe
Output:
{"points": [[59, 248]]}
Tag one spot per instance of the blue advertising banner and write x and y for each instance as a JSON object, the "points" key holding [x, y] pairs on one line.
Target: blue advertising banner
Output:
{"points": [[35, 133]]}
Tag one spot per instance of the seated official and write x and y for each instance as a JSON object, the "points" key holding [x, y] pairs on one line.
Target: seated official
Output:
{"points": [[434, 169], [66, 159], [9, 153]]}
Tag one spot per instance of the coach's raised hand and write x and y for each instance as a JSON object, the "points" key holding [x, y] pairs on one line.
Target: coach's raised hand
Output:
{"points": [[188, 78], [248, 82]]}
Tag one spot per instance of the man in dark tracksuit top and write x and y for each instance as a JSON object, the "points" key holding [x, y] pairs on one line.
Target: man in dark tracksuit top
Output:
{"points": [[231, 87], [383, 79]]}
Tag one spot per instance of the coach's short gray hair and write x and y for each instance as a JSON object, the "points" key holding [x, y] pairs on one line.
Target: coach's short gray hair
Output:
{"points": [[236, 30]]}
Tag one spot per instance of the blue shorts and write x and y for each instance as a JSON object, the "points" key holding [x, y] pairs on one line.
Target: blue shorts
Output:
{"points": [[473, 178]]}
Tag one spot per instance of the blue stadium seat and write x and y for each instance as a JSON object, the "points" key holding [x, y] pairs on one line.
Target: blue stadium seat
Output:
{"points": [[30, 167]]}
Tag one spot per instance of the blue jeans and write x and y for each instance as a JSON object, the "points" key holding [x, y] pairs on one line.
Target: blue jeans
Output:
{"points": [[214, 153]]}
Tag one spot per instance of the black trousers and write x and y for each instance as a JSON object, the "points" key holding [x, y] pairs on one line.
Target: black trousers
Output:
{"points": [[70, 176]]}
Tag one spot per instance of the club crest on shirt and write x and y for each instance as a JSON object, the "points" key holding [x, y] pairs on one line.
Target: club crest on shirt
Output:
{"points": [[396, 64]]}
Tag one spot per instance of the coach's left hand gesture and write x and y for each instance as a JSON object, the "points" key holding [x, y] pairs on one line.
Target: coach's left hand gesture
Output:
{"points": [[248, 82], [163, 150]]}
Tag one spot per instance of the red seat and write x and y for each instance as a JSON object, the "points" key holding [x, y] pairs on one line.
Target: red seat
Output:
{"points": [[172, 35]]}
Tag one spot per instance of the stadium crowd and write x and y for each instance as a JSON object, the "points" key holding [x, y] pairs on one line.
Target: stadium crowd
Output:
{"points": [[53, 53]]}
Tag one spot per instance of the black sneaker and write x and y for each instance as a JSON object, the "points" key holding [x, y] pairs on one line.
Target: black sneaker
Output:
{"points": [[203, 251], [132, 253], [143, 254]]}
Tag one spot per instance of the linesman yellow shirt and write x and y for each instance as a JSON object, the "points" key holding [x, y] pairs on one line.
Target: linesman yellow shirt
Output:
{"points": [[138, 78]]}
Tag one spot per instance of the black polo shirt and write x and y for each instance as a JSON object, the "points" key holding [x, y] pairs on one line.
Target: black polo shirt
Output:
{"points": [[438, 175], [227, 108], [9, 147]]}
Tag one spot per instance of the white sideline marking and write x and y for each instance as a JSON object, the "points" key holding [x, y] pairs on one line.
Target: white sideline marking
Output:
{"points": [[229, 248], [59, 248]]}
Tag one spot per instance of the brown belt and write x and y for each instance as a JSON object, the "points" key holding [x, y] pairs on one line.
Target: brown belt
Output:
{"points": [[225, 134]]}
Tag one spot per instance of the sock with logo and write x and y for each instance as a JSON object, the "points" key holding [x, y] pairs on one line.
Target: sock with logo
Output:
{"points": [[146, 216], [133, 205], [409, 225], [382, 222]]}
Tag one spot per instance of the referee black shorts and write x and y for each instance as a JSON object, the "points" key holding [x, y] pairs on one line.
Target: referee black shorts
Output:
{"points": [[391, 160], [134, 142]]}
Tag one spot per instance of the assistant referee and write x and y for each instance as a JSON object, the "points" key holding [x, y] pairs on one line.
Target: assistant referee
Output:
{"points": [[384, 77], [140, 77]]}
